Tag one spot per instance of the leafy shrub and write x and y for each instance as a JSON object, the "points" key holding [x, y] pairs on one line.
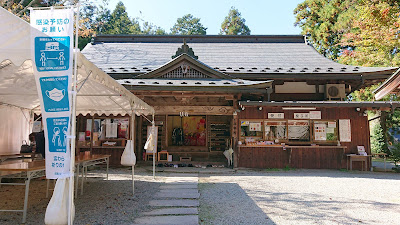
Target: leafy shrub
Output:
{"points": [[378, 143]]}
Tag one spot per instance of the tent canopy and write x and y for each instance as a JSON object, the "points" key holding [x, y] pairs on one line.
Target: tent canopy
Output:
{"points": [[97, 92]]}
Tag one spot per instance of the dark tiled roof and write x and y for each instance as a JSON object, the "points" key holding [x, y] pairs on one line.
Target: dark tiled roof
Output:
{"points": [[228, 54], [196, 82]]}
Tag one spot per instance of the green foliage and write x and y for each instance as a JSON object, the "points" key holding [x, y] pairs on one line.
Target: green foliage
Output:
{"points": [[395, 155], [373, 39], [324, 22], [188, 25], [119, 22], [378, 143], [234, 24], [288, 168], [272, 169], [364, 94], [151, 29]]}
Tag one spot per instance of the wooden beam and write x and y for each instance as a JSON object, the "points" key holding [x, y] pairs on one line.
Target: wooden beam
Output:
{"points": [[168, 93], [195, 110]]}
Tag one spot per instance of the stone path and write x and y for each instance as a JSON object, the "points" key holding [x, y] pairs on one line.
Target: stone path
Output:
{"points": [[176, 202]]}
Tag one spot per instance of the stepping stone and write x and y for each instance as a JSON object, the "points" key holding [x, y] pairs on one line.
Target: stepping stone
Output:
{"points": [[178, 203], [177, 195], [168, 220], [183, 175], [181, 182], [179, 186], [172, 211], [194, 191]]}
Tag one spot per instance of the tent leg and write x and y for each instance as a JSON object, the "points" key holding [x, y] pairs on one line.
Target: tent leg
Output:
{"points": [[77, 179], [27, 182], [108, 162], [47, 189], [133, 181]]}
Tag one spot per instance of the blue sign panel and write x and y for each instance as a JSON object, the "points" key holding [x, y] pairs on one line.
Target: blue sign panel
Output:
{"points": [[52, 53], [55, 93], [57, 130]]}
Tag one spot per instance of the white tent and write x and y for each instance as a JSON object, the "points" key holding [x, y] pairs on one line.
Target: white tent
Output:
{"points": [[97, 91]]}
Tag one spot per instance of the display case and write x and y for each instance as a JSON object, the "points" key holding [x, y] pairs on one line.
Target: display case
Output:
{"points": [[251, 132], [293, 132], [299, 130], [275, 130]]}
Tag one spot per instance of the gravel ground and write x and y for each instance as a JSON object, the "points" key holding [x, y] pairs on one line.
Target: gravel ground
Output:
{"points": [[300, 197], [244, 197], [104, 201]]}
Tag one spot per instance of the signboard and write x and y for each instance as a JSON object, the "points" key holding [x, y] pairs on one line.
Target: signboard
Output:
{"points": [[276, 115], [52, 55], [316, 115], [345, 130], [301, 116]]}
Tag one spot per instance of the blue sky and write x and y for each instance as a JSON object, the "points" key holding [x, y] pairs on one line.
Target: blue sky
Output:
{"points": [[262, 16]]}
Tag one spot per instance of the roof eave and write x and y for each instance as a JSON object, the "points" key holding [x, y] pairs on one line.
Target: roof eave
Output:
{"points": [[191, 89], [324, 104], [388, 86]]}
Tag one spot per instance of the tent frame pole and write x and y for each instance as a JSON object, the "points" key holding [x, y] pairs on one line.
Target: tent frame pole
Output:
{"points": [[73, 121], [154, 150], [133, 146]]}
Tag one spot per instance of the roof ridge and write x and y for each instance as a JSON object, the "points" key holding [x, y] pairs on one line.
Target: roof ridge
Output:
{"points": [[199, 38]]}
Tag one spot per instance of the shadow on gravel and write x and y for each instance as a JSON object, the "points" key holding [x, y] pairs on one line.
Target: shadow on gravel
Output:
{"points": [[317, 173], [228, 203], [103, 202]]}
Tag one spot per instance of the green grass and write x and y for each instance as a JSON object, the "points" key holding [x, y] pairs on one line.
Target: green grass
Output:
{"points": [[378, 159], [288, 168], [272, 169]]}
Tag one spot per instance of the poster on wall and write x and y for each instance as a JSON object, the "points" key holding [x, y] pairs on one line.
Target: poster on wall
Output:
{"points": [[255, 126], [52, 66], [111, 129], [37, 126], [345, 130], [320, 131]]}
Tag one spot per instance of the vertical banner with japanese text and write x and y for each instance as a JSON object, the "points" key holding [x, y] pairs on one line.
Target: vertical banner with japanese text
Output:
{"points": [[52, 62]]}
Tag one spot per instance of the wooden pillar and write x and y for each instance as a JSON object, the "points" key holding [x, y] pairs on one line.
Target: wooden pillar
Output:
{"points": [[235, 138]]}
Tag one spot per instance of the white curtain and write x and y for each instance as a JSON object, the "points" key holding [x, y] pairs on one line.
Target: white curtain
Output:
{"points": [[14, 127]]}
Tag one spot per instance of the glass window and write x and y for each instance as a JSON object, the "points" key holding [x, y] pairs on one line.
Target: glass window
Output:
{"points": [[275, 130], [299, 130]]}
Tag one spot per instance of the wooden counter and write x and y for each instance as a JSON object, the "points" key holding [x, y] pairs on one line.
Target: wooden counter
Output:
{"points": [[310, 157]]}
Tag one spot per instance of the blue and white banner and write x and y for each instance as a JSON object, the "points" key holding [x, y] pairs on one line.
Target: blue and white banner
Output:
{"points": [[52, 63]]}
